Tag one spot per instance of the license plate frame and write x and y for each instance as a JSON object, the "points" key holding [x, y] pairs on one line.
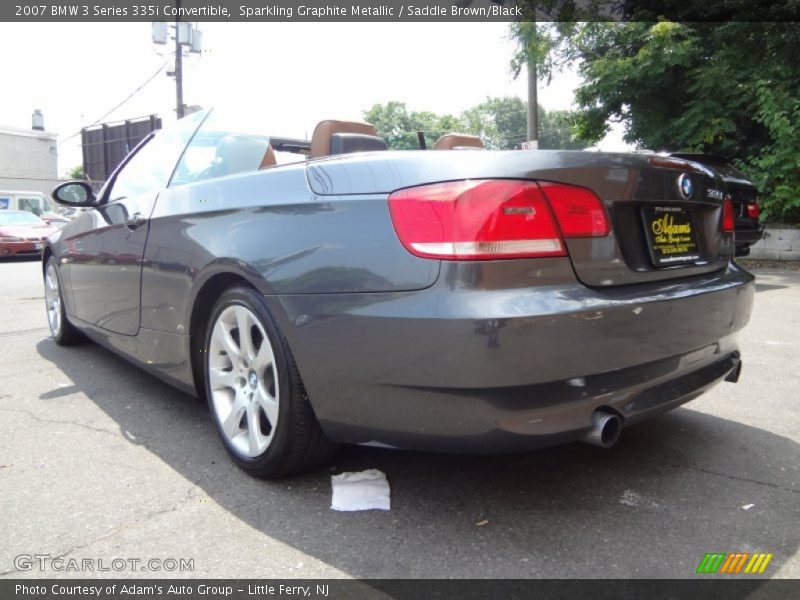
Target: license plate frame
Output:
{"points": [[671, 235]]}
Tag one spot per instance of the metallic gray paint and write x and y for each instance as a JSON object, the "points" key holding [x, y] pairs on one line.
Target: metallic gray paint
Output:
{"points": [[466, 363], [473, 356], [622, 181], [272, 230]]}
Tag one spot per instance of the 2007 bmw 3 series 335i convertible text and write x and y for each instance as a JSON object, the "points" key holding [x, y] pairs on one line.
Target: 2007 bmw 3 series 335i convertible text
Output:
{"points": [[450, 299]]}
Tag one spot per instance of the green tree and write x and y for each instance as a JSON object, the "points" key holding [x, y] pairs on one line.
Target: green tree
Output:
{"points": [[399, 127], [392, 122], [722, 88], [557, 130], [500, 122], [777, 163], [76, 173]]}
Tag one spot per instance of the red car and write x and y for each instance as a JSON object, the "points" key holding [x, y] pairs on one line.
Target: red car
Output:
{"points": [[22, 233]]}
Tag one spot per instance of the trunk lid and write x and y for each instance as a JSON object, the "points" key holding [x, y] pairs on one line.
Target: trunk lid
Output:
{"points": [[642, 194], [659, 232]]}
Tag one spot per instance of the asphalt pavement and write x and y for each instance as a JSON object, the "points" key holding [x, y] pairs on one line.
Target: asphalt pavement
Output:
{"points": [[99, 460]]}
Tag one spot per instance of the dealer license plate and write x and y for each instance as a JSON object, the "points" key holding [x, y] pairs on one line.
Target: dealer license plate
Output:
{"points": [[671, 236]]}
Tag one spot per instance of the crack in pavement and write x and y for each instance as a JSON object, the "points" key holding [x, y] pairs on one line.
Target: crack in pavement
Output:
{"points": [[119, 528], [59, 422], [4, 334], [721, 474], [737, 478]]}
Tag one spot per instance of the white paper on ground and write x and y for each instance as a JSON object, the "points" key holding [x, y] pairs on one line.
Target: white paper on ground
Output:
{"points": [[365, 490]]}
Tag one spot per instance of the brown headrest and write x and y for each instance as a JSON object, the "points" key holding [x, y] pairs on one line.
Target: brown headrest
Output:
{"points": [[269, 159], [457, 140], [321, 140]]}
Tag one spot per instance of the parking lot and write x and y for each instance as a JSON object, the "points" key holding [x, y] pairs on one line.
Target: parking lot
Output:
{"points": [[99, 460]]}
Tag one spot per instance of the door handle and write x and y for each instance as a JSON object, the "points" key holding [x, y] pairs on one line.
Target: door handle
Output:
{"points": [[135, 220]]}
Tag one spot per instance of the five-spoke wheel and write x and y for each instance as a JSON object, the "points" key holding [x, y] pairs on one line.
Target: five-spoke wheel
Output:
{"points": [[52, 298], [61, 329], [254, 390]]}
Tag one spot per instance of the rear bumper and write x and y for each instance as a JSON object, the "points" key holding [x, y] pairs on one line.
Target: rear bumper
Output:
{"points": [[747, 233], [464, 367]]}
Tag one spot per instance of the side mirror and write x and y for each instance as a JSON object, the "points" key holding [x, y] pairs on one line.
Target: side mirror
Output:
{"points": [[73, 193]]}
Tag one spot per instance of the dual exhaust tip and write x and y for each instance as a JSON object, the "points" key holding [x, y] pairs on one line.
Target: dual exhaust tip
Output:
{"points": [[605, 430]]}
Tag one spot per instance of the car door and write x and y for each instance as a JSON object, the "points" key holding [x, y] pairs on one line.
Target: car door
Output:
{"points": [[105, 250]]}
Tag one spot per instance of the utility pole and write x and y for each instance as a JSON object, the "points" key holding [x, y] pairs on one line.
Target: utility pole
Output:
{"points": [[533, 105], [533, 95], [178, 65], [186, 35]]}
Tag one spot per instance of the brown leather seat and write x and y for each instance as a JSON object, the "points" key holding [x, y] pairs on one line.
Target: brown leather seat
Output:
{"points": [[321, 139], [452, 141], [269, 159]]}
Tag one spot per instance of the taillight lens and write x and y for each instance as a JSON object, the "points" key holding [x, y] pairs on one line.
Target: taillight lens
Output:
{"points": [[727, 215], [578, 211], [753, 210], [493, 219]]}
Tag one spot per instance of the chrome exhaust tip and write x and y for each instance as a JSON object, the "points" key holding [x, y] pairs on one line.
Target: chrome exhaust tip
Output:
{"points": [[605, 430], [733, 375]]}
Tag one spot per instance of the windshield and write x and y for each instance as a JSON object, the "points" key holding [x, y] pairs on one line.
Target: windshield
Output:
{"points": [[33, 205], [228, 144], [20, 218]]}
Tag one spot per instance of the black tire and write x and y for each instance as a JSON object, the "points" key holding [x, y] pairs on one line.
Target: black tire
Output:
{"points": [[298, 443], [63, 332]]}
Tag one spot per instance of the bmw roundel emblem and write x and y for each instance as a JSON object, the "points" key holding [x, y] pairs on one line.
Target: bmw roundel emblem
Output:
{"points": [[685, 186]]}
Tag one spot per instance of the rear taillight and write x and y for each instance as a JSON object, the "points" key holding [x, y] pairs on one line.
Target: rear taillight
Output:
{"points": [[578, 211], [727, 215], [493, 219], [753, 210]]}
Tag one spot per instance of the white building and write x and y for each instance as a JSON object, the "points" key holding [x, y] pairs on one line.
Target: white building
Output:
{"points": [[28, 158]]}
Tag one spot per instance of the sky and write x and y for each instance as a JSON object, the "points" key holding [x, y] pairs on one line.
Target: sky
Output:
{"points": [[287, 76]]}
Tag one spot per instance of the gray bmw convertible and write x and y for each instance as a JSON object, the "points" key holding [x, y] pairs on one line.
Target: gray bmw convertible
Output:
{"points": [[455, 299]]}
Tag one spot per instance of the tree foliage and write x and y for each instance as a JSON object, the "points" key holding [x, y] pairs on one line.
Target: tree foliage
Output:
{"points": [[777, 163], [500, 122], [557, 130], [721, 88], [398, 126], [76, 173]]}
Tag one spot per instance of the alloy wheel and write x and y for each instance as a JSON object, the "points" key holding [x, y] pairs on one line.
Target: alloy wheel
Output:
{"points": [[243, 381], [52, 298]]}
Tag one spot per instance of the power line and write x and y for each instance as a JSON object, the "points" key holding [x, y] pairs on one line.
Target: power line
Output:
{"points": [[131, 95]]}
